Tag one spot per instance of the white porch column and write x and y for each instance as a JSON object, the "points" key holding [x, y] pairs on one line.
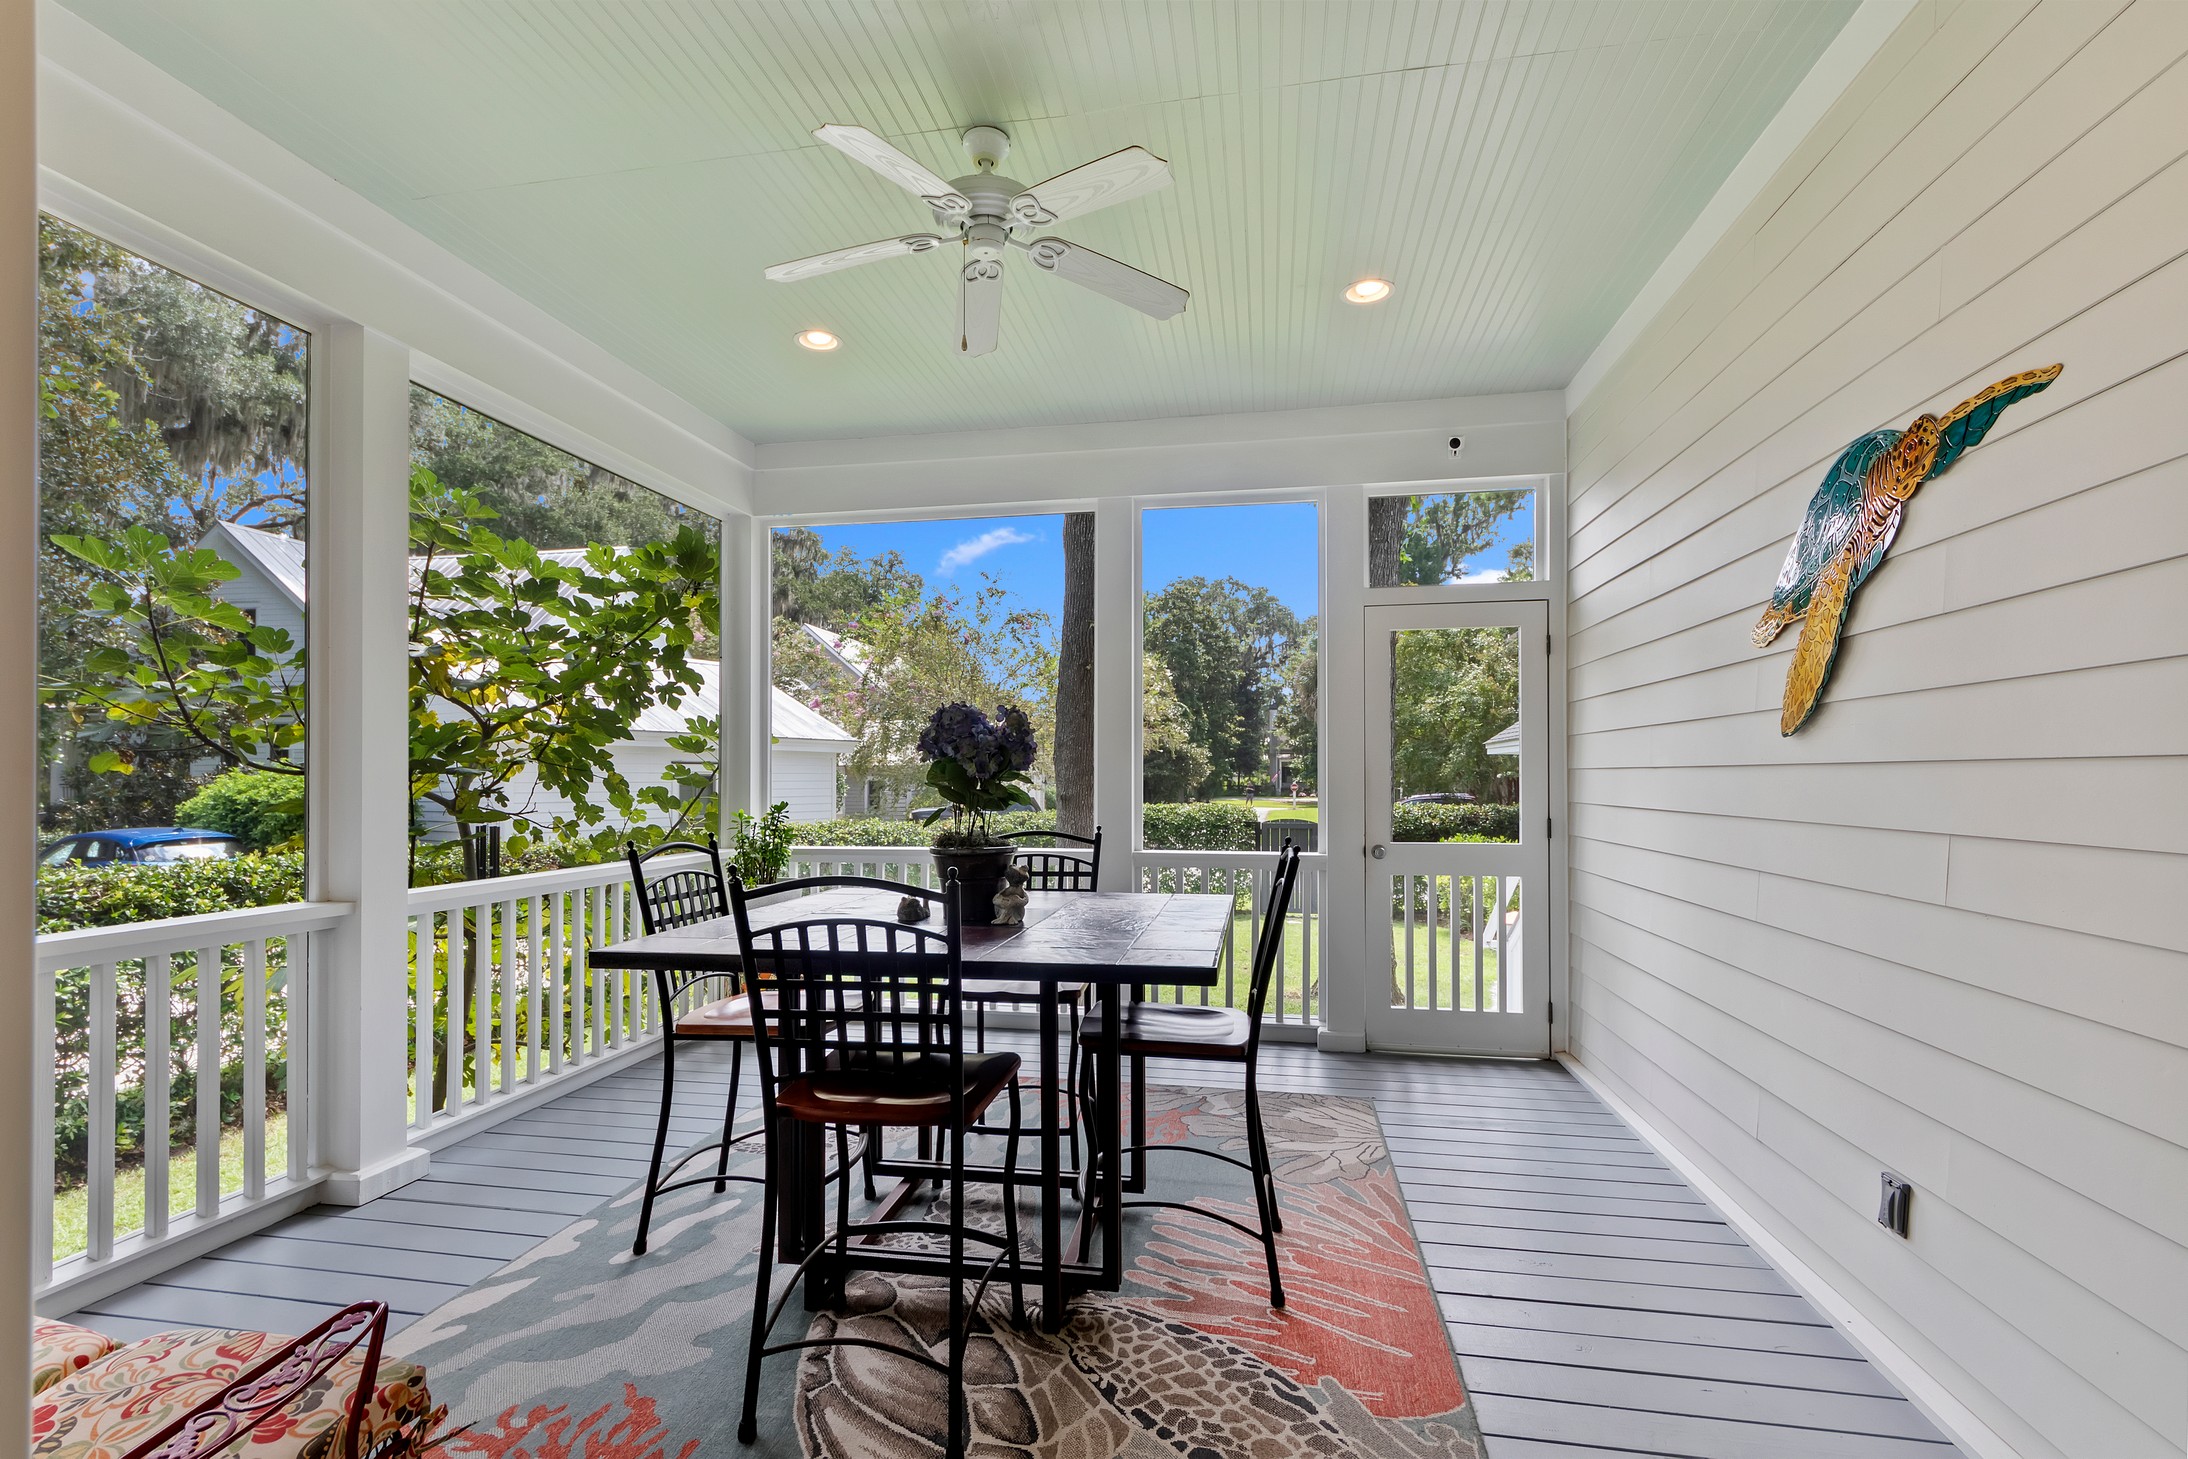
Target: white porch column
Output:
{"points": [[360, 747], [18, 677], [747, 717], [1343, 835], [1116, 690]]}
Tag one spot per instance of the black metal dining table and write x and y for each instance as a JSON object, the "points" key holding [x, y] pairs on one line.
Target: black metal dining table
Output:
{"points": [[1116, 942]]}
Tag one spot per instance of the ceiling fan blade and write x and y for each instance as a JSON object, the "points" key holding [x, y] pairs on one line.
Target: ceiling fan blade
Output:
{"points": [[1096, 184], [979, 306], [852, 257], [863, 146], [1158, 298]]}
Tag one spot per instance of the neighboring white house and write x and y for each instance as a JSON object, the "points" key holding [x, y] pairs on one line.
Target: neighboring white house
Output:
{"points": [[271, 588]]}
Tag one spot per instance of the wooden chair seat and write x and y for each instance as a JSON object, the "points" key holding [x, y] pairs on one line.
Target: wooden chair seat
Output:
{"points": [[1169, 1031], [728, 1018], [893, 1089], [724, 1018]]}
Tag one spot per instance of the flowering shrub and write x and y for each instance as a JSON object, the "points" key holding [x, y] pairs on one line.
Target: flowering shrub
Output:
{"points": [[977, 765]]}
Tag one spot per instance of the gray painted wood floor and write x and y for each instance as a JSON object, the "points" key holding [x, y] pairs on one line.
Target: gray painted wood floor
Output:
{"points": [[1598, 1306]]}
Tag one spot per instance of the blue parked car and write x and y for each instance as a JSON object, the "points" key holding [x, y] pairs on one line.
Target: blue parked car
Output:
{"points": [[141, 846]]}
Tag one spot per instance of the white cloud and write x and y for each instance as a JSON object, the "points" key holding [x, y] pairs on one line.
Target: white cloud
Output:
{"points": [[972, 549], [1494, 575]]}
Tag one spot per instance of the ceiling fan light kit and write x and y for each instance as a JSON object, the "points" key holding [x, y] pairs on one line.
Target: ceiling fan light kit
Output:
{"points": [[986, 214]]}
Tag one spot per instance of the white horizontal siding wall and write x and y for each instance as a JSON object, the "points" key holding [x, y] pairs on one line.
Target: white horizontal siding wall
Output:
{"points": [[806, 780], [1944, 930]]}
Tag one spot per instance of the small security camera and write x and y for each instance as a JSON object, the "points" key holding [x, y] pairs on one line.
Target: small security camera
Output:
{"points": [[1458, 444]]}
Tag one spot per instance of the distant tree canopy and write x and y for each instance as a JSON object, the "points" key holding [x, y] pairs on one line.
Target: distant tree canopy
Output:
{"points": [[1174, 764], [1297, 717], [161, 404], [1451, 691], [811, 585], [1427, 541], [921, 649], [539, 492], [1225, 645]]}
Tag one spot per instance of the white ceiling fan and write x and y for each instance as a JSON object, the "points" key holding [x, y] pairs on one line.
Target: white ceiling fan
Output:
{"points": [[986, 213]]}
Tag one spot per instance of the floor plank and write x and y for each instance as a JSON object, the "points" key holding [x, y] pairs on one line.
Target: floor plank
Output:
{"points": [[1601, 1309]]}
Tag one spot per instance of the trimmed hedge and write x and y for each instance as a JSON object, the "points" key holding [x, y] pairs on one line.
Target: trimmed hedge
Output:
{"points": [[1443, 822], [70, 897], [1199, 826], [262, 808]]}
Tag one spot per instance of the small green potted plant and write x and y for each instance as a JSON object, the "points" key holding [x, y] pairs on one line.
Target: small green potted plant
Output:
{"points": [[978, 766], [761, 850]]}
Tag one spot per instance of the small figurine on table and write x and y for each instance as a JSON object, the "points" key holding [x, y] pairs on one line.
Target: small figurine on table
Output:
{"points": [[1010, 898]]}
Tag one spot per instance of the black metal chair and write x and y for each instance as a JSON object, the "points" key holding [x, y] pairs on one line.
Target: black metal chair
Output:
{"points": [[860, 1023], [678, 899], [1047, 870], [1215, 1035]]}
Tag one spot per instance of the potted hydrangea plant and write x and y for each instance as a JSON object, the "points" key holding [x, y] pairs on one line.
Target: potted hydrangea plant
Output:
{"points": [[978, 765]]}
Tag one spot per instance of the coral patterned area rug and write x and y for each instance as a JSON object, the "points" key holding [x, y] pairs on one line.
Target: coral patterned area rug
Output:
{"points": [[578, 1349]]}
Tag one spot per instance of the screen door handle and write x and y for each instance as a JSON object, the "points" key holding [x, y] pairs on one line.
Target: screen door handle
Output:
{"points": [[1376, 851]]}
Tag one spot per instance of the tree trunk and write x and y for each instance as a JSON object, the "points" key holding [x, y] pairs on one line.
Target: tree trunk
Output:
{"points": [[1386, 538], [1073, 751]]}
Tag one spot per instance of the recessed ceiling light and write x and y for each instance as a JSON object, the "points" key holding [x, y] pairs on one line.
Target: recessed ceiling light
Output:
{"points": [[1368, 291], [817, 339]]}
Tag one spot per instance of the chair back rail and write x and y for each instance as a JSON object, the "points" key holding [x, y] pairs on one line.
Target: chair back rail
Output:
{"points": [[837, 988], [1269, 944], [1049, 868]]}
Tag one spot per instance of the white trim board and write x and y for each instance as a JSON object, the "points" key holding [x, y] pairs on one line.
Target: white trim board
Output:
{"points": [[128, 149], [1398, 442], [1935, 1399], [1854, 46]]}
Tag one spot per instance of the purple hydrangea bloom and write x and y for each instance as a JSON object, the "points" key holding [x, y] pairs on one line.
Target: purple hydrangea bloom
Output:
{"points": [[984, 748]]}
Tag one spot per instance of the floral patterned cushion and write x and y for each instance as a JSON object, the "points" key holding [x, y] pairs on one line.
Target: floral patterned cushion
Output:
{"points": [[58, 1349], [118, 1401]]}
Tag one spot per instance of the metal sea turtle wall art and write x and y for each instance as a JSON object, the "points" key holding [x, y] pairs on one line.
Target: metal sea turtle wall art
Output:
{"points": [[1851, 521]]}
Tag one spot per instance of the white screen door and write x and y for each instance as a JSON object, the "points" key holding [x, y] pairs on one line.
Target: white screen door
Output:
{"points": [[1458, 743]]}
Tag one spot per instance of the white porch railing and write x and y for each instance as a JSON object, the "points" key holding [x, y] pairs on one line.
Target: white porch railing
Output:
{"points": [[504, 999], [140, 1016], [1295, 997]]}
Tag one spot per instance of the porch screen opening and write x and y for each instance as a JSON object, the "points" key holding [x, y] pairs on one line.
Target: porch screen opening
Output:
{"points": [[1448, 539], [878, 624], [173, 508], [1230, 749], [565, 655]]}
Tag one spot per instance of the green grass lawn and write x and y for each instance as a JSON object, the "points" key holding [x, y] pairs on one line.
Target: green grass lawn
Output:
{"points": [[1438, 991], [70, 1203], [1276, 806]]}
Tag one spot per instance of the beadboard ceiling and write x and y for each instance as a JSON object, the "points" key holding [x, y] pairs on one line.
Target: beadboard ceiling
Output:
{"points": [[1518, 170]]}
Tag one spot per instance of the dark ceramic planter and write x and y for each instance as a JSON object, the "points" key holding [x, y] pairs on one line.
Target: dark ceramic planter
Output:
{"points": [[979, 876]]}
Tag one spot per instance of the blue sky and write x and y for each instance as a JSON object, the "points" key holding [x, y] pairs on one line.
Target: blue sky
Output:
{"points": [[1268, 545]]}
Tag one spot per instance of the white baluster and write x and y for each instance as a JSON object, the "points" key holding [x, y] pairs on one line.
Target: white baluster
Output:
{"points": [[459, 952], [158, 1091], [208, 1082], [99, 1091], [482, 1012], [43, 1036], [254, 1069], [425, 991], [296, 950], [510, 993]]}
